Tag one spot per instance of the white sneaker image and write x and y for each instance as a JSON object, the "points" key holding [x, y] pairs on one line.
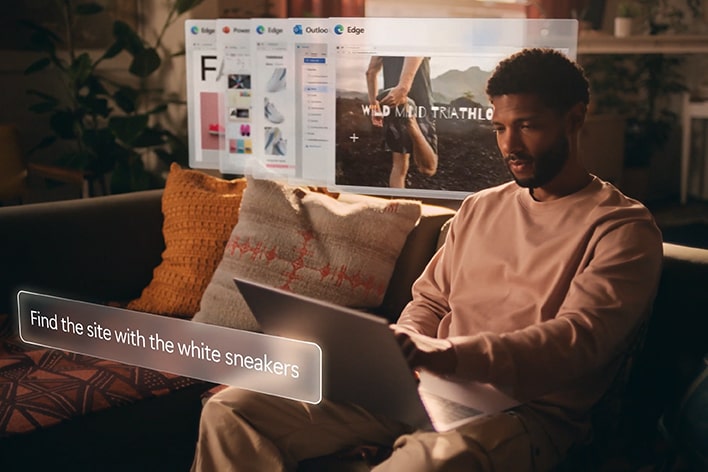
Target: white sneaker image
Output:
{"points": [[272, 113], [280, 147], [277, 80], [271, 138]]}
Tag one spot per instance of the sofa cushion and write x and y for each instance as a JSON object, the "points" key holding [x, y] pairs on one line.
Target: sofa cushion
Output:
{"points": [[340, 250], [199, 213], [42, 387]]}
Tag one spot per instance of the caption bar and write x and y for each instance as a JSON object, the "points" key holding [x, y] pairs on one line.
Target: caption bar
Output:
{"points": [[268, 364]]}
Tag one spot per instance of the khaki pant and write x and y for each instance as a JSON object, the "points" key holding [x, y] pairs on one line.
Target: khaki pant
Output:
{"points": [[246, 431]]}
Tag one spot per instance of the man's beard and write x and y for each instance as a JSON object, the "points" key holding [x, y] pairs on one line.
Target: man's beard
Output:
{"points": [[546, 166]]}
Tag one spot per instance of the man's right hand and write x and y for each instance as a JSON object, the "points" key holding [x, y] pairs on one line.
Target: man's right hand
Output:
{"points": [[376, 114]]}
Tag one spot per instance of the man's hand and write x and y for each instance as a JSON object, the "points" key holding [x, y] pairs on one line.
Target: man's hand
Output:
{"points": [[398, 95], [433, 354], [376, 114]]}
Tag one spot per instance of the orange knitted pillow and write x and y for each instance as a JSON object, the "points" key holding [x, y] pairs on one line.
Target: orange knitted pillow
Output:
{"points": [[199, 213]]}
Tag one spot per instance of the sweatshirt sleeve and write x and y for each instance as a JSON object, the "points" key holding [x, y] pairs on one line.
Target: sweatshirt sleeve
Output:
{"points": [[431, 292], [605, 304]]}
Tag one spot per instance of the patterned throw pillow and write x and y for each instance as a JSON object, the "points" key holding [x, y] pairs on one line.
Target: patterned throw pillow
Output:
{"points": [[309, 243], [199, 213]]}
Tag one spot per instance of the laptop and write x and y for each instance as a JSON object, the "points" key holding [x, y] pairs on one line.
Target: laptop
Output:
{"points": [[362, 363]]}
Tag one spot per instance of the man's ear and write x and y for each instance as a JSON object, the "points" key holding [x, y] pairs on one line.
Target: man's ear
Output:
{"points": [[576, 117]]}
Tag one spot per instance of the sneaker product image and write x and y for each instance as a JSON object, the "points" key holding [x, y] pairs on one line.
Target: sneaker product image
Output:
{"points": [[215, 129], [272, 136], [277, 80], [280, 147], [272, 113]]}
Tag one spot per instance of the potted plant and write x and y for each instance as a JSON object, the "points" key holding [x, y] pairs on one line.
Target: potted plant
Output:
{"points": [[626, 11], [108, 124]]}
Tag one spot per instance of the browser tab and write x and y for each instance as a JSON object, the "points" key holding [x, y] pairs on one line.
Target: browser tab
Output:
{"points": [[203, 59]]}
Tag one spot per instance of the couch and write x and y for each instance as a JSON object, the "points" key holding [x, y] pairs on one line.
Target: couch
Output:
{"points": [[105, 249]]}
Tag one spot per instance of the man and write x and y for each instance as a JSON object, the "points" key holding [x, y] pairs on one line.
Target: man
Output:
{"points": [[540, 289], [406, 82]]}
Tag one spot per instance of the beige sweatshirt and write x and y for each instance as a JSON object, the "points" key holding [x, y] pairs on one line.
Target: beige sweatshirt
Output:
{"points": [[542, 299]]}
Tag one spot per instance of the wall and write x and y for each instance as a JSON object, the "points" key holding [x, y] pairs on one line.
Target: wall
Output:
{"points": [[14, 101]]}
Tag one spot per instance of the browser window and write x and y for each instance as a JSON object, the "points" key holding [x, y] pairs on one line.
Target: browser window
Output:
{"points": [[236, 108], [206, 130], [314, 99], [440, 129], [273, 95], [387, 106], [293, 99]]}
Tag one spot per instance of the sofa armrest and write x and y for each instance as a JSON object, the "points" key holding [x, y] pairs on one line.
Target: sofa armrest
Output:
{"points": [[96, 249], [676, 339], [680, 312]]}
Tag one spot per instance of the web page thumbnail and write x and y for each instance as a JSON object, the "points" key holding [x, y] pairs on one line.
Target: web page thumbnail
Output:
{"points": [[233, 41], [273, 130], [203, 64]]}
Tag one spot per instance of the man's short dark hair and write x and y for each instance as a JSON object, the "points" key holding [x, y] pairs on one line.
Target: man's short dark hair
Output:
{"points": [[559, 82]]}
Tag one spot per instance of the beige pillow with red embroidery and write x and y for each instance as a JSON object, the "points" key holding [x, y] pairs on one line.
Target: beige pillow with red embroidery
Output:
{"points": [[307, 242]]}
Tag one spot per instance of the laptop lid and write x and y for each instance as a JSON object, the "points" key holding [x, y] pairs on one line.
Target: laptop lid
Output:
{"points": [[361, 360], [362, 363]]}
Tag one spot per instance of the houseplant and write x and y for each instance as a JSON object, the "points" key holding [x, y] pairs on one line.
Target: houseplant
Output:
{"points": [[637, 87], [107, 123], [626, 11]]}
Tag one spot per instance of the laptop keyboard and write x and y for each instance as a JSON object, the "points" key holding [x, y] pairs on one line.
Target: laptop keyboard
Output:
{"points": [[442, 410]]}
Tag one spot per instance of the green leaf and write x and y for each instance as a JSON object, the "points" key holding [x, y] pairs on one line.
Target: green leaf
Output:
{"points": [[182, 6], [44, 143], [81, 68], [64, 124], [158, 109], [126, 98], [177, 149], [31, 25], [42, 42], [38, 66], [149, 138], [95, 106], [113, 50], [145, 63], [42, 95], [128, 128], [88, 8], [126, 36], [43, 107], [96, 86], [106, 149], [45, 33]]}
